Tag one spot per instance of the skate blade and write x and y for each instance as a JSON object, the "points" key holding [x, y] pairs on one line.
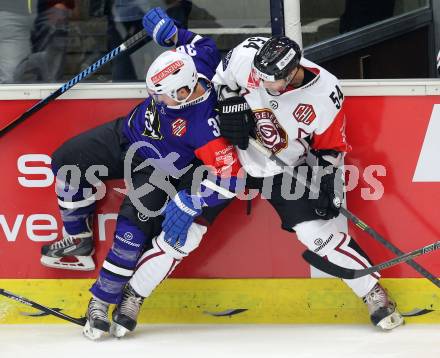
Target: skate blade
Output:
{"points": [[118, 331], [78, 263], [92, 333], [392, 321]]}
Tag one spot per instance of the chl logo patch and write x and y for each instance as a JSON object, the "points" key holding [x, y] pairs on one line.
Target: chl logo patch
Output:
{"points": [[179, 127], [304, 113], [269, 131]]}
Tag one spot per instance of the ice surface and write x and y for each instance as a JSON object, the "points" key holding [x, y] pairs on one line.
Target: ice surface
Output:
{"points": [[210, 341]]}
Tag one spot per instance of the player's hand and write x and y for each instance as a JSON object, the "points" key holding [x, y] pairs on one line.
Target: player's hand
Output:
{"points": [[179, 215], [160, 27], [236, 121], [331, 190]]}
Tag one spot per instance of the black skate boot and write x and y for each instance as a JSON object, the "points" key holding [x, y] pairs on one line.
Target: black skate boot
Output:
{"points": [[126, 312], [72, 252], [97, 319], [382, 309]]}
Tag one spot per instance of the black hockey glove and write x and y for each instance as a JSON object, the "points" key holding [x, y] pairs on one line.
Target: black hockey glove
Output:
{"points": [[331, 185], [236, 121]]}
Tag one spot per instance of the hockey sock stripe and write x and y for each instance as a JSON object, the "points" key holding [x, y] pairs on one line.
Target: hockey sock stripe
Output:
{"points": [[113, 274], [77, 204], [108, 266], [350, 255]]}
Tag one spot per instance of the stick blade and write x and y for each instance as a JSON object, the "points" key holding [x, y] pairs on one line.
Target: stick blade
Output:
{"points": [[326, 266], [82, 321]]}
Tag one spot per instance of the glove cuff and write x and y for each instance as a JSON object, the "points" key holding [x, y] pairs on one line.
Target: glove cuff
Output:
{"points": [[169, 30], [192, 211], [233, 105]]}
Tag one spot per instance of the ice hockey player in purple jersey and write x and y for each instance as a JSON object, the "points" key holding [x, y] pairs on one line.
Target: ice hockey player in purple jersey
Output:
{"points": [[160, 139]]}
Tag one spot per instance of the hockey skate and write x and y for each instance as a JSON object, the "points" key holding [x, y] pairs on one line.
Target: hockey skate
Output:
{"points": [[97, 319], [126, 312], [382, 309], [72, 252]]}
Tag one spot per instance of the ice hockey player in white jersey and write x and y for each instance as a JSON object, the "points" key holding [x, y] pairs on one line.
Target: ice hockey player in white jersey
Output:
{"points": [[294, 108]]}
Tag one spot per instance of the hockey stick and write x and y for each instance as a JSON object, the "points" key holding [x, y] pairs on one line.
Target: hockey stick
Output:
{"points": [[130, 43], [335, 270], [80, 321], [350, 216], [373, 233]]}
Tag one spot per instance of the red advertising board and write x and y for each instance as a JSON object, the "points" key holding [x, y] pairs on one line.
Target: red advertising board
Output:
{"points": [[393, 150]]}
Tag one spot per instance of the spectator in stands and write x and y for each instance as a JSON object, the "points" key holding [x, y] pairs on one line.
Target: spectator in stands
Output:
{"points": [[124, 20], [49, 42], [15, 25]]}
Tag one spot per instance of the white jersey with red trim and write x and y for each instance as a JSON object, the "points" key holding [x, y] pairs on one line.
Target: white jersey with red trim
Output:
{"points": [[284, 121]]}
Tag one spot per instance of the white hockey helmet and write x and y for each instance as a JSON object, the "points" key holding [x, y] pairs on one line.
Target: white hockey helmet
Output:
{"points": [[171, 71]]}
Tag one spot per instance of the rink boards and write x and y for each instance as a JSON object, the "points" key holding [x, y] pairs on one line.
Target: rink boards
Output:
{"points": [[245, 262], [320, 300]]}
